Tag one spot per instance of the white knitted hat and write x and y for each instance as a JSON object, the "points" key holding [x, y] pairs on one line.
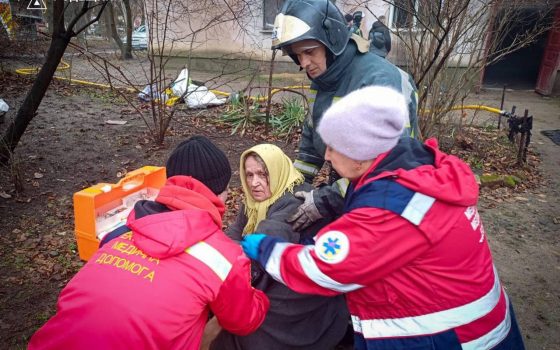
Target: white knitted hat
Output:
{"points": [[364, 123]]}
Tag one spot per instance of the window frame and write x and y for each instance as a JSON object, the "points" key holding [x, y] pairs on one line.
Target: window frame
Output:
{"points": [[393, 12], [414, 25], [269, 27]]}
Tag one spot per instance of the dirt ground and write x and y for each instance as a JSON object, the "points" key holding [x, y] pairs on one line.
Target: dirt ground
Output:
{"points": [[69, 146], [524, 230]]}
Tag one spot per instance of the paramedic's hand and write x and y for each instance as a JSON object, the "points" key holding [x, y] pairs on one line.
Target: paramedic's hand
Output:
{"points": [[251, 244], [307, 213]]}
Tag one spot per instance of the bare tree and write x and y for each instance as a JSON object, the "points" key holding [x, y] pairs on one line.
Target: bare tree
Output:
{"points": [[110, 18], [176, 26], [191, 24], [447, 45], [126, 52], [62, 34]]}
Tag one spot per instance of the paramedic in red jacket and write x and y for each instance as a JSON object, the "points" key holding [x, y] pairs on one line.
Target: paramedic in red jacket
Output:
{"points": [[153, 286], [410, 250]]}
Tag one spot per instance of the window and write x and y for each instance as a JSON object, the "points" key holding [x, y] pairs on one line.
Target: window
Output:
{"points": [[270, 10], [405, 14]]}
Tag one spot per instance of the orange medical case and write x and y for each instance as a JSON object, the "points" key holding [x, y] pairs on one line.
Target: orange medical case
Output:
{"points": [[101, 208]]}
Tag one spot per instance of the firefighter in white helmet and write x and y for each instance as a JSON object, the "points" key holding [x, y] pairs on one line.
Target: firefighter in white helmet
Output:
{"points": [[314, 34]]}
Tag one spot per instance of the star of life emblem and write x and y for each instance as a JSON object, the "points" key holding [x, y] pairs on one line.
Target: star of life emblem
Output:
{"points": [[332, 247]]}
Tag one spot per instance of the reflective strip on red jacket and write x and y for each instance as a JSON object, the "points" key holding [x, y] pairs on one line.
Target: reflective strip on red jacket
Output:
{"points": [[416, 266], [152, 288]]}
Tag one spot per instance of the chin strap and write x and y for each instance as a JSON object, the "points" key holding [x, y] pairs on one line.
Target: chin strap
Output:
{"points": [[330, 57]]}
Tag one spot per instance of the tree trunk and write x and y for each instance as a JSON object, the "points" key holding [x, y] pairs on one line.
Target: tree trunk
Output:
{"points": [[127, 53], [49, 17], [106, 25], [28, 108], [115, 33]]}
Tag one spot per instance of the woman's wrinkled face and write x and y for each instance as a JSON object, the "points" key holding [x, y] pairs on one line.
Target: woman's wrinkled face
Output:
{"points": [[256, 178]]}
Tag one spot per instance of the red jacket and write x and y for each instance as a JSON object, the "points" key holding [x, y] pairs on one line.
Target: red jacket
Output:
{"points": [[410, 252], [152, 288]]}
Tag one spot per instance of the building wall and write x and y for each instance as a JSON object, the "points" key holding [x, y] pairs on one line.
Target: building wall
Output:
{"points": [[246, 38], [375, 8], [212, 31]]}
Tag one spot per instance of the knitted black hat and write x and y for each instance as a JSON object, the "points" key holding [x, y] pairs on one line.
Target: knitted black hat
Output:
{"points": [[200, 158]]}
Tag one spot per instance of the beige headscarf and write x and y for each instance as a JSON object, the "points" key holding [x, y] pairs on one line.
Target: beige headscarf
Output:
{"points": [[282, 177]]}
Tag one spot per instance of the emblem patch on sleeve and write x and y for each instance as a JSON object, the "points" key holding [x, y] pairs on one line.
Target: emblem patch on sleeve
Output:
{"points": [[332, 247]]}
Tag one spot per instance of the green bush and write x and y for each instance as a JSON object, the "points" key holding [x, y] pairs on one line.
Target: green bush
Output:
{"points": [[242, 114], [290, 118]]}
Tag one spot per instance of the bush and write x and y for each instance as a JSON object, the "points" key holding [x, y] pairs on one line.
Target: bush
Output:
{"points": [[242, 113], [290, 118]]}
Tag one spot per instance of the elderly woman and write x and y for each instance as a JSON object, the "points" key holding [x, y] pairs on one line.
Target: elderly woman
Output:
{"points": [[294, 321], [410, 250]]}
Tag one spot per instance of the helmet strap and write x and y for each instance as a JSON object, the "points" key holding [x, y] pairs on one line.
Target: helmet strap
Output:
{"points": [[330, 57]]}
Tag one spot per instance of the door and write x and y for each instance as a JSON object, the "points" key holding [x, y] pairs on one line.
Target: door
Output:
{"points": [[551, 58]]}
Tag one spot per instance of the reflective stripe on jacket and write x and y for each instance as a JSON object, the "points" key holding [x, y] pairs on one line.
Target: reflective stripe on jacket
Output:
{"points": [[410, 253]]}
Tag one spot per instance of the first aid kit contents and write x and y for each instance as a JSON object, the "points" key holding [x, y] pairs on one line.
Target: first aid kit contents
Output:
{"points": [[108, 220], [101, 208]]}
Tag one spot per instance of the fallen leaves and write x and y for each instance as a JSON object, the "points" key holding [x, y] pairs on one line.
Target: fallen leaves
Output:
{"points": [[491, 154]]}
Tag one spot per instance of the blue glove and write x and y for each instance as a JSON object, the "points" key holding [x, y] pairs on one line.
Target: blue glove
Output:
{"points": [[251, 244]]}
